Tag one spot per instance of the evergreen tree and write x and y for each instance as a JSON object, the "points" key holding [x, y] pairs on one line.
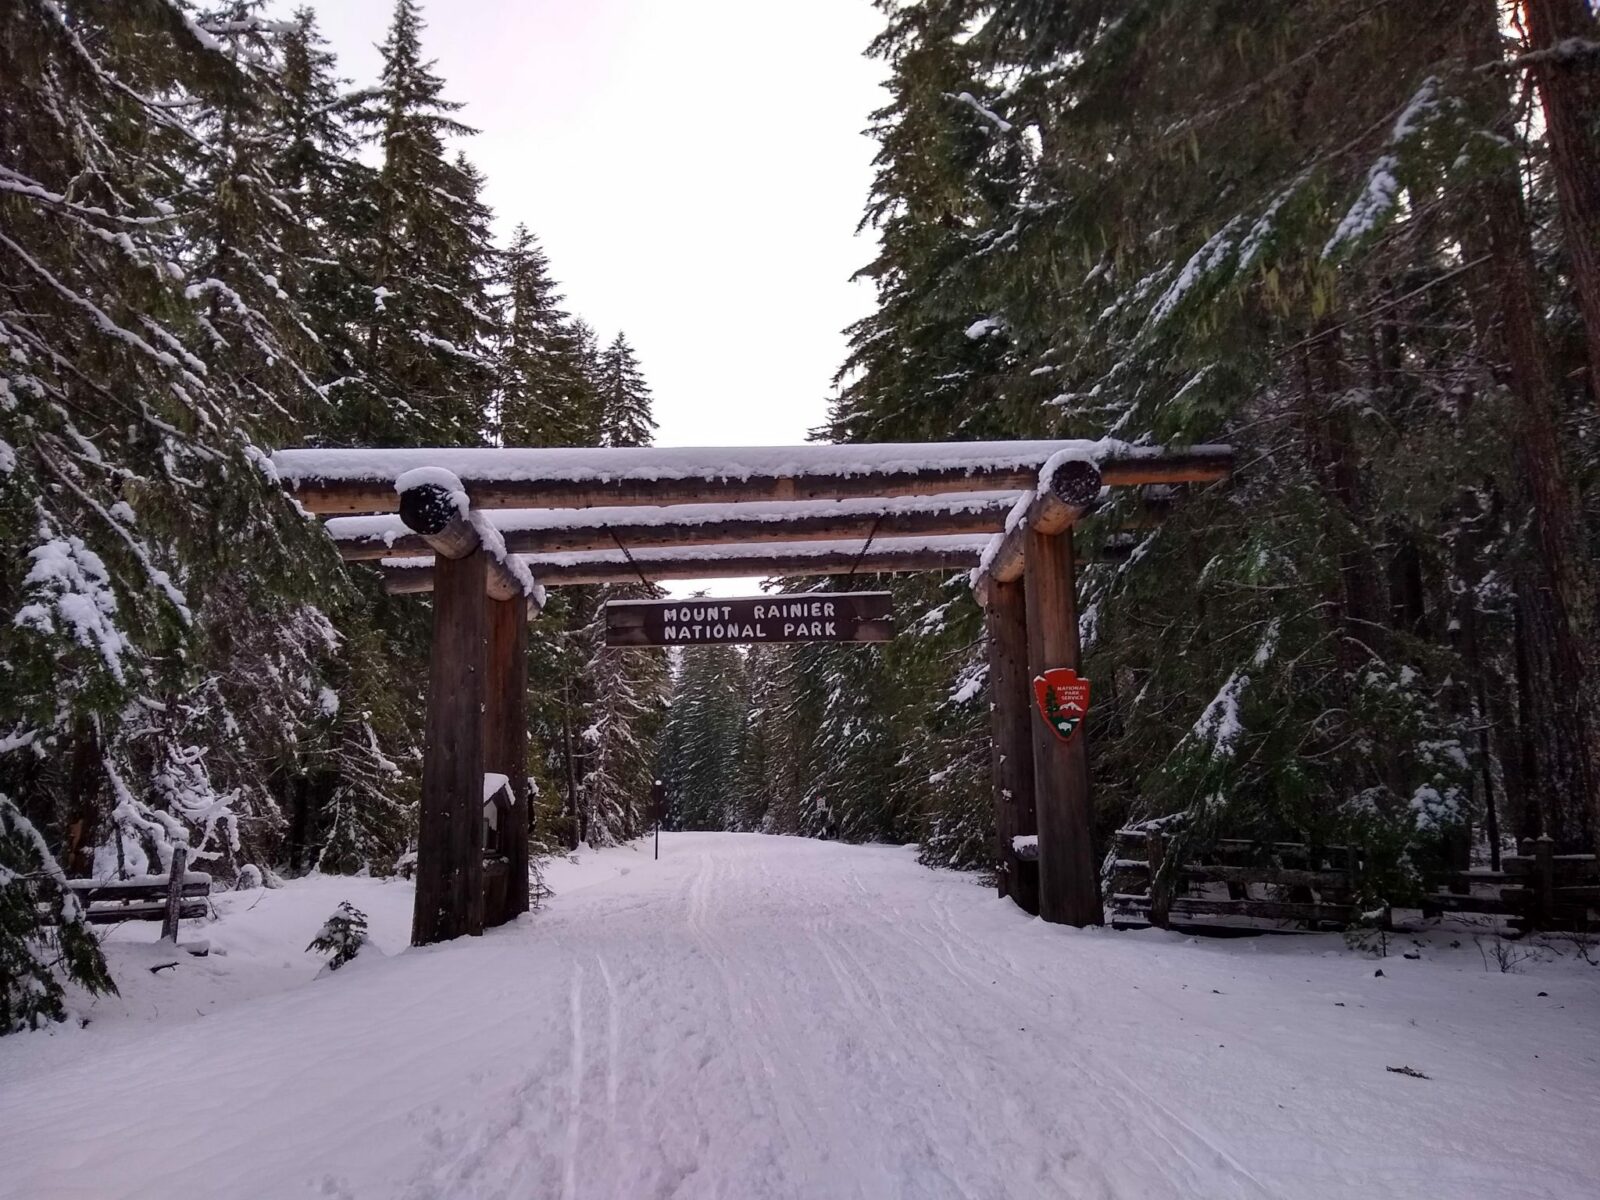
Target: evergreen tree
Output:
{"points": [[1280, 227], [628, 690], [700, 744], [146, 355], [342, 935], [425, 373], [329, 197], [625, 418], [30, 953], [546, 392]]}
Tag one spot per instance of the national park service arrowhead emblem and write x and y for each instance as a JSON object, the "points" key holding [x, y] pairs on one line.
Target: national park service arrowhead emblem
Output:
{"points": [[1063, 700]]}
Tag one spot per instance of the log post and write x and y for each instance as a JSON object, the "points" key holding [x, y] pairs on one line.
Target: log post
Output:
{"points": [[449, 840], [1155, 857], [1011, 740], [505, 738], [1544, 883], [174, 909], [1069, 888]]}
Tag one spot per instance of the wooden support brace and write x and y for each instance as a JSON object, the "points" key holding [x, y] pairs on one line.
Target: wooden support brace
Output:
{"points": [[449, 899], [1011, 741], [1069, 886], [1056, 506], [430, 511]]}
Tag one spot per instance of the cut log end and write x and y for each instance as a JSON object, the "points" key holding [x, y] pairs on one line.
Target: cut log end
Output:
{"points": [[1076, 483], [428, 508]]}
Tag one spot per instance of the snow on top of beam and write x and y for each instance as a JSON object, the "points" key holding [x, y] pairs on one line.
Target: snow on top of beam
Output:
{"points": [[589, 464], [775, 551], [385, 528], [434, 477]]}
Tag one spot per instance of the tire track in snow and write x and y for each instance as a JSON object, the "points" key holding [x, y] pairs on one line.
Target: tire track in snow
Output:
{"points": [[1148, 1111], [569, 1170], [613, 1039], [771, 1068]]}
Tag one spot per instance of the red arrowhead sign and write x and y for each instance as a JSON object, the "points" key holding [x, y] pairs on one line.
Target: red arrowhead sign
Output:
{"points": [[1063, 700]]}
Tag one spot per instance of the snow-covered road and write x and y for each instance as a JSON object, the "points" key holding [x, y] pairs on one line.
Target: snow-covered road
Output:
{"points": [[760, 1017]]}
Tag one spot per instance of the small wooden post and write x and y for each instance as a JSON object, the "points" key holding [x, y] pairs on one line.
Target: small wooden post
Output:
{"points": [[1544, 883], [449, 852], [1011, 739], [1160, 889], [169, 919], [1069, 887], [505, 739]]}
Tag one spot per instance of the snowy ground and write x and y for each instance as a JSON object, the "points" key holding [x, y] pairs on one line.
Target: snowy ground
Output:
{"points": [[767, 1017]]}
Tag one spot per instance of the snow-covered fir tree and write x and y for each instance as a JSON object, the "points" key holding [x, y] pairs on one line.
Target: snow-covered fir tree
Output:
{"points": [[626, 418], [546, 393], [700, 744], [426, 368], [147, 356]]}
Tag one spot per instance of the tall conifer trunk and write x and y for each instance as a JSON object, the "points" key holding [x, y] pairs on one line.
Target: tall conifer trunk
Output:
{"points": [[1567, 71], [1558, 604]]}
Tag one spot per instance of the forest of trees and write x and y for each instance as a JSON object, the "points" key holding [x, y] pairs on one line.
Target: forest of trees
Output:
{"points": [[211, 245], [1356, 239]]}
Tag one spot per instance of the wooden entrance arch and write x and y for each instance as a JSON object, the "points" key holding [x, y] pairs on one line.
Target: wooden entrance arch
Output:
{"points": [[487, 530]]}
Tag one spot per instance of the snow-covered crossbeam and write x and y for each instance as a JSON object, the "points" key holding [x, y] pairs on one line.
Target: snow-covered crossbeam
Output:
{"points": [[767, 560], [1068, 485], [362, 481], [434, 510], [561, 530]]}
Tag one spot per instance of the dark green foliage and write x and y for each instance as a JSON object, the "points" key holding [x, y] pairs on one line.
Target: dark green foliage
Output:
{"points": [[548, 380], [1181, 223], [34, 955], [342, 935], [700, 744], [624, 398], [200, 267]]}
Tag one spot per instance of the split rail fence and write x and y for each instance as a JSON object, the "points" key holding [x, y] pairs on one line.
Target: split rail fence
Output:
{"points": [[1243, 885]]}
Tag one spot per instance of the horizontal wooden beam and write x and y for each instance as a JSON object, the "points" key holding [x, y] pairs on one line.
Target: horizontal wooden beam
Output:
{"points": [[572, 570], [362, 481], [544, 531]]}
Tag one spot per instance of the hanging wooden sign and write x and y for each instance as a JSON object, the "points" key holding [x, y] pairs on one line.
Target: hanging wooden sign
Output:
{"points": [[716, 621], [1063, 700]]}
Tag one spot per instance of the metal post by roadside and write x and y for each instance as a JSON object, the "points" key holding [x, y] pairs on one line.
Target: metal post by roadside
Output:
{"points": [[658, 796]]}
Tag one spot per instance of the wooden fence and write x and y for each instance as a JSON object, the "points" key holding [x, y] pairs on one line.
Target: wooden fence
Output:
{"points": [[1242, 885]]}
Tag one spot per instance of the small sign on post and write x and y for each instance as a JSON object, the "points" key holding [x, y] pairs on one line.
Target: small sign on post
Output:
{"points": [[658, 807], [715, 621], [1063, 698]]}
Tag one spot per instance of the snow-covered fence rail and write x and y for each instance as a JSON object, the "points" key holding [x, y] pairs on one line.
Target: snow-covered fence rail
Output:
{"points": [[1534, 889], [1237, 880], [143, 897]]}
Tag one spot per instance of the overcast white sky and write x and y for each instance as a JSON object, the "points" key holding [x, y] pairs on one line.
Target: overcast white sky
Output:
{"points": [[695, 170]]}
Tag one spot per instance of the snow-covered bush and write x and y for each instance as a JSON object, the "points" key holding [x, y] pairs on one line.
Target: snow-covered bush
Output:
{"points": [[34, 956], [342, 935]]}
